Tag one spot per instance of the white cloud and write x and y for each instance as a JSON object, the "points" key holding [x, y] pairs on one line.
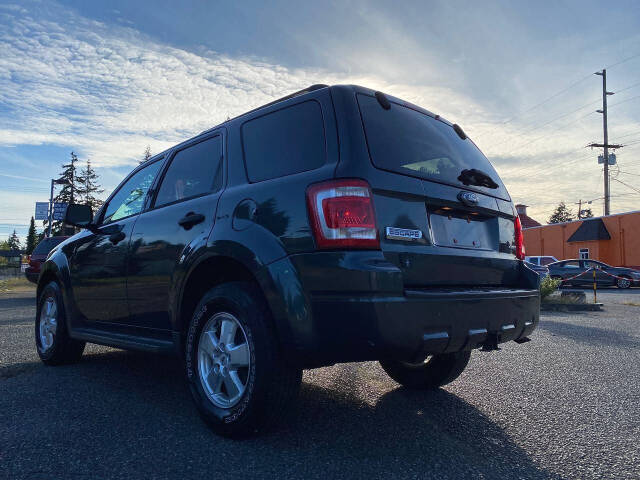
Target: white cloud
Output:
{"points": [[107, 91]]}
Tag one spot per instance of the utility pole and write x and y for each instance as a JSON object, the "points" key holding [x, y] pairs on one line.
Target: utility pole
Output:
{"points": [[607, 194]]}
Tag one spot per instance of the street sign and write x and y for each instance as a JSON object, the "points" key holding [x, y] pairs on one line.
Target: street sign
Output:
{"points": [[42, 210], [59, 210]]}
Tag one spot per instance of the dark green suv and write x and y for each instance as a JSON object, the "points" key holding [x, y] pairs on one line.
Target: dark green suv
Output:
{"points": [[336, 224]]}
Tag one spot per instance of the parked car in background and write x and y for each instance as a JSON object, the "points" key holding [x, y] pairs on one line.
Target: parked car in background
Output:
{"points": [[39, 255], [542, 260], [541, 270], [606, 275]]}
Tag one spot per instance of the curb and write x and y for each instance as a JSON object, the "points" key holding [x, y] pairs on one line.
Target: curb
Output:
{"points": [[570, 307]]}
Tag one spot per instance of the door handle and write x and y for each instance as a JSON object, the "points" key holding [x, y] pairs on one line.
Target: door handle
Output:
{"points": [[117, 237], [190, 219]]}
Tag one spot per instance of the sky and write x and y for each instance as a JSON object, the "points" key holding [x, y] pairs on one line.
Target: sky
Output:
{"points": [[106, 79]]}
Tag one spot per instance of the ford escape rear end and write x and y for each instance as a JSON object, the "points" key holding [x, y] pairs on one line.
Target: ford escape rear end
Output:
{"points": [[336, 224]]}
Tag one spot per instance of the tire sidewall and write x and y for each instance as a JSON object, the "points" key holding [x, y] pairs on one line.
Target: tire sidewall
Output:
{"points": [[52, 289], [232, 300]]}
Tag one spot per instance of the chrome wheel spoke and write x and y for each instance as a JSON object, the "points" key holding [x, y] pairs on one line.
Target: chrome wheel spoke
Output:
{"points": [[209, 343], [233, 384], [238, 356], [214, 379], [228, 331]]}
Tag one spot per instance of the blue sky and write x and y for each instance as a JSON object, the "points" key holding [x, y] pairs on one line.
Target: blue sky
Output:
{"points": [[105, 79]]}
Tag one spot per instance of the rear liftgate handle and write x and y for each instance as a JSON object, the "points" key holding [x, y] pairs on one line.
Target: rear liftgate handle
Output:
{"points": [[190, 219]]}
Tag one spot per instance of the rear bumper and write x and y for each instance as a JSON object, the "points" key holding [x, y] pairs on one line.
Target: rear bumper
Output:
{"points": [[429, 322], [364, 313]]}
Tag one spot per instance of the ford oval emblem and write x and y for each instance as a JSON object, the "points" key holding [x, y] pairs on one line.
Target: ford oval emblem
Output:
{"points": [[470, 199]]}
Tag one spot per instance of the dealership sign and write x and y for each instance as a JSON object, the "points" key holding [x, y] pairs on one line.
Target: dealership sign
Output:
{"points": [[59, 209], [42, 210]]}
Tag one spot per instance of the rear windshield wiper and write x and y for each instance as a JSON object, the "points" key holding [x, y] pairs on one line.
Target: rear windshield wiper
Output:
{"points": [[476, 177]]}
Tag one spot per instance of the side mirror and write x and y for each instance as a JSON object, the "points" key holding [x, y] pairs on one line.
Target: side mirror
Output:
{"points": [[78, 215]]}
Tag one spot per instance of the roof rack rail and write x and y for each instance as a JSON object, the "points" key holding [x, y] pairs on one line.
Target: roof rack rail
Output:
{"points": [[310, 88]]}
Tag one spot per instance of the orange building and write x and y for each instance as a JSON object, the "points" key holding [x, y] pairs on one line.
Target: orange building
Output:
{"points": [[614, 239]]}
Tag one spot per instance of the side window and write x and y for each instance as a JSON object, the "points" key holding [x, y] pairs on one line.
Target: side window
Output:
{"points": [[194, 171], [284, 142], [572, 264], [129, 199], [547, 260]]}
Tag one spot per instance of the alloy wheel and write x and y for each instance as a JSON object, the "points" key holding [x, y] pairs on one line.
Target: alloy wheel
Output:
{"points": [[624, 283], [224, 359], [48, 323]]}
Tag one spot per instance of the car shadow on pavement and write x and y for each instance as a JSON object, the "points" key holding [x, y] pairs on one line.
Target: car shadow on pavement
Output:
{"points": [[134, 417], [590, 335]]}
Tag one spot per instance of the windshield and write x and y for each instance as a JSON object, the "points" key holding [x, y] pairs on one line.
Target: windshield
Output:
{"points": [[406, 141]]}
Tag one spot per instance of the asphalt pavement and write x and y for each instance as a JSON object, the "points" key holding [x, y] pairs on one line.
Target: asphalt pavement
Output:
{"points": [[565, 405]]}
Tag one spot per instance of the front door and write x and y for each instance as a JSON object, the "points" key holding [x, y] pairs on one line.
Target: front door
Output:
{"points": [[98, 266], [179, 221]]}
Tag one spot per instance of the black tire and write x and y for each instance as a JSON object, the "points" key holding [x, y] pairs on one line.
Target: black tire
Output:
{"points": [[622, 284], [271, 385], [436, 371], [62, 349]]}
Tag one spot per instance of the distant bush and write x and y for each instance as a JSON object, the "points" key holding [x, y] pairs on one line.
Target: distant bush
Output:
{"points": [[548, 285]]}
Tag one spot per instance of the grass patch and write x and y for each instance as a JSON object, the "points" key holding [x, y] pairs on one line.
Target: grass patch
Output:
{"points": [[632, 304], [16, 284]]}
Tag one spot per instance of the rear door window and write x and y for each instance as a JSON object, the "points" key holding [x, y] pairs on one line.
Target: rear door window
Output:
{"points": [[284, 142], [194, 171], [572, 264], [410, 142]]}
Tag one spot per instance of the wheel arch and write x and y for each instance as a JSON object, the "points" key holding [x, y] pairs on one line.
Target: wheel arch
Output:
{"points": [[209, 271]]}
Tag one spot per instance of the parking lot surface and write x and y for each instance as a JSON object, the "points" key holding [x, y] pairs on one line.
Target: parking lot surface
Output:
{"points": [[565, 405]]}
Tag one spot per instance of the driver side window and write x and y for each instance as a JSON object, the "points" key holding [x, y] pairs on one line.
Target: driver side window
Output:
{"points": [[129, 199]]}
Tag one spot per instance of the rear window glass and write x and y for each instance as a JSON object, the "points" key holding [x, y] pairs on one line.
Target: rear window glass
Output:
{"points": [[406, 141], [284, 142], [46, 245]]}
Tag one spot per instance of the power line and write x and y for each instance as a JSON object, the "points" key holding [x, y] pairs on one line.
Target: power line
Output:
{"points": [[623, 61], [624, 101], [547, 136], [626, 185]]}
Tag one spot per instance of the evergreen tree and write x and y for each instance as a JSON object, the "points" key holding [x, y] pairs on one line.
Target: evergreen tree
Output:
{"points": [[32, 237], [67, 193], [146, 155], [561, 214], [89, 187], [14, 241], [586, 213]]}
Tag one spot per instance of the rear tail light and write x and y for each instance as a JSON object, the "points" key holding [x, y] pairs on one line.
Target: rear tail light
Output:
{"points": [[519, 238], [342, 214]]}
